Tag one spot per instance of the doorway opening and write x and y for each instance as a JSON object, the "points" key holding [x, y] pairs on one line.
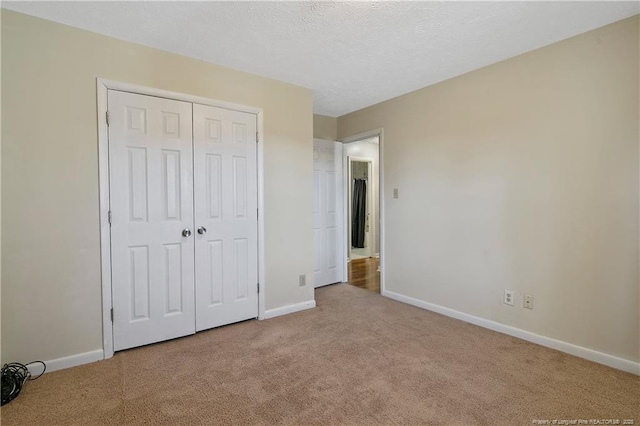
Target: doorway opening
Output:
{"points": [[362, 211], [362, 190]]}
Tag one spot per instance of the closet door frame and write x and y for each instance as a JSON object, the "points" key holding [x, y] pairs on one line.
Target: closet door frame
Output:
{"points": [[102, 86]]}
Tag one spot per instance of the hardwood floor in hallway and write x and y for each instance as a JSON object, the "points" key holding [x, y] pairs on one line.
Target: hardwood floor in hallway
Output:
{"points": [[364, 273]]}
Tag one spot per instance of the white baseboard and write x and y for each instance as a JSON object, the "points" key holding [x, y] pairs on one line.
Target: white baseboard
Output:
{"points": [[98, 355], [579, 351], [69, 361], [272, 313]]}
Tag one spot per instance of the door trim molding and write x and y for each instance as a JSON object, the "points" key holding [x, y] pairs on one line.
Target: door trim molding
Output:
{"points": [[102, 86], [354, 138]]}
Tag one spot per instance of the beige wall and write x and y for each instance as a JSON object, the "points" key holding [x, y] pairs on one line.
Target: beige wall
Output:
{"points": [[51, 291], [522, 175], [325, 127]]}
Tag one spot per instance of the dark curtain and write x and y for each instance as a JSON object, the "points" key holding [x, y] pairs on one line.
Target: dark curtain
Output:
{"points": [[358, 213]]}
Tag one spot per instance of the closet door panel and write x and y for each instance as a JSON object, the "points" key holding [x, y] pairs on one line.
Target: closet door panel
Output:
{"points": [[225, 190], [151, 191]]}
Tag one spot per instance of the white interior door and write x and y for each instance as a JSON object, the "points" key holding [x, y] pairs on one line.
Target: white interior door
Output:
{"points": [[226, 219], [150, 155], [327, 208]]}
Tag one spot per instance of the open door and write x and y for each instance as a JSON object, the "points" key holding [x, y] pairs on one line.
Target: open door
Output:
{"points": [[327, 212]]}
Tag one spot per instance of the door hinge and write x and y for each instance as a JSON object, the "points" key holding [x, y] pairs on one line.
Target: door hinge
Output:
{"points": [[107, 118], [111, 314], [258, 287], [257, 213], [109, 216], [257, 137]]}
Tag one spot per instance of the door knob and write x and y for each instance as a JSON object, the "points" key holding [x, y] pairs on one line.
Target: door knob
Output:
{"points": [[186, 232], [202, 230]]}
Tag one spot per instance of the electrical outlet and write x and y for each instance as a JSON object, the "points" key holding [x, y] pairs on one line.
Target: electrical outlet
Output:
{"points": [[528, 301], [509, 297], [302, 280]]}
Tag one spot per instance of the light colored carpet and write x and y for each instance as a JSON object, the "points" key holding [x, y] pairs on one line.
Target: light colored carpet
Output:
{"points": [[356, 359]]}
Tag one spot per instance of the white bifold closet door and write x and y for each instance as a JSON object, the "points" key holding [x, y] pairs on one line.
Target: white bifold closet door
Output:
{"points": [[175, 269], [226, 212], [151, 186]]}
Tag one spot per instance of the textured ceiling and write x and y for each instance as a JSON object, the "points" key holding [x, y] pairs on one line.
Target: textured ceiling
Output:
{"points": [[351, 54]]}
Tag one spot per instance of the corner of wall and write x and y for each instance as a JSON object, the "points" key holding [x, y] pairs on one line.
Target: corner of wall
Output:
{"points": [[325, 127]]}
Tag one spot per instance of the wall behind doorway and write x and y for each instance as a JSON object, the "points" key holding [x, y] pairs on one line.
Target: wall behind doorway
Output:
{"points": [[51, 291]]}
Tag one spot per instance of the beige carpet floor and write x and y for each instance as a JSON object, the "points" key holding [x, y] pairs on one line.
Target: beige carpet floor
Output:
{"points": [[356, 359]]}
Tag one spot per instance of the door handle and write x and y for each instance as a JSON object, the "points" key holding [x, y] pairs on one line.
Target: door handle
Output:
{"points": [[202, 230], [186, 232]]}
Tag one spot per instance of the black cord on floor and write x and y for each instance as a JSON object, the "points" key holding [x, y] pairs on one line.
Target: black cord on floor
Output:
{"points": [[14, 376]]}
